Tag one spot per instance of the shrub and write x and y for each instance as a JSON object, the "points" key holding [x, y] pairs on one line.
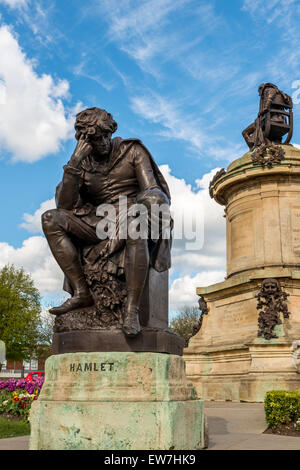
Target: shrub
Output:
{"points": [[282, 407]]}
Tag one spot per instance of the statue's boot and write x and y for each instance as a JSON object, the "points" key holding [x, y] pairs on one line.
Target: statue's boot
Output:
{"points": [[131, 323], [81, 297], [66, 256], [136, 271], [73, 303]]}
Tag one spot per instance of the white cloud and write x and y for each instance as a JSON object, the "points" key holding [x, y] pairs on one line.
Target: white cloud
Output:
{"points": [[33, 121], [176, 123], [142, 29], [183, 290], [15, 3], [191, 204], [32, 222], [137, 27], [35, 257], [144, 17], [81, 70], [162, 111], [282, 16], [273, 9], [210, 260]]}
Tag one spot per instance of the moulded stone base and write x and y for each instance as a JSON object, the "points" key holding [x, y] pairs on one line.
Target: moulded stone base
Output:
{"points": [[244, 373], [250, 388], [116, 401]]}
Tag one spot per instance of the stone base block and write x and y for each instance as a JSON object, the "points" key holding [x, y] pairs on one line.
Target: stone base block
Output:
{"points": [[116, 401], [117, 426]]}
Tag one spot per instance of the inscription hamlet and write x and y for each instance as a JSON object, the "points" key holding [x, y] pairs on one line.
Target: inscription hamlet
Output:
{"points": [[92, 367]]}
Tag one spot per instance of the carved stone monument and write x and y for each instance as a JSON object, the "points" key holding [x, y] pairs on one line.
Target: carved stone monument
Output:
{"points": [[245, 344], [116, 379]]}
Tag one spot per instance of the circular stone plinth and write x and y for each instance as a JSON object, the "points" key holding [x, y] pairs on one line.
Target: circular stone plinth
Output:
{"points": [[107, 340]]}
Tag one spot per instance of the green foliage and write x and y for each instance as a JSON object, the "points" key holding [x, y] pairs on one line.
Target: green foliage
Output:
{"points": [[20, 311], [13, 428], [282, 407], [46, 329], [45, 336], [185, 321]]}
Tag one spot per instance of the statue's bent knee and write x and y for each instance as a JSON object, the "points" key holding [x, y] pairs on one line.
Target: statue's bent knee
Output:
{"points": [[49, 219]]}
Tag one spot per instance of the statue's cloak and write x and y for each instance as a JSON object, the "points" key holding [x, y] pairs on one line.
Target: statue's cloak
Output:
{"points": [[91, 256]]}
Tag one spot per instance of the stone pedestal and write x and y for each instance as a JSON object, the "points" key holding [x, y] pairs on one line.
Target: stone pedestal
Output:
{"points": [[227, 360], [116, 401]]}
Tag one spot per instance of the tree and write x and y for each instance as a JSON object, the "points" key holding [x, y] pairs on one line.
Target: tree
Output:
{"points": [[184, 322], [46, 329], [20, 311], [45, 336]]}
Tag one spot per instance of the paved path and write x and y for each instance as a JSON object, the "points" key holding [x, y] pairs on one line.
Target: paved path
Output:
{"points": [[15, 443], [240, 426], [231, 426]]}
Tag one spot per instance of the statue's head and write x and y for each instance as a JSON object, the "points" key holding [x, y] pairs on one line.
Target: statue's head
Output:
{"points": [[96, 126], [270, 286]]}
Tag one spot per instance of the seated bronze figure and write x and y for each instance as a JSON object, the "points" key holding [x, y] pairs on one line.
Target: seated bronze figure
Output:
{"points": [[101, 170], [274, 120]]}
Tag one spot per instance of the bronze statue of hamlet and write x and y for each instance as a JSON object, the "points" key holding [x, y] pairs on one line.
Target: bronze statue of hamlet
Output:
{"points": [[100, 171]]}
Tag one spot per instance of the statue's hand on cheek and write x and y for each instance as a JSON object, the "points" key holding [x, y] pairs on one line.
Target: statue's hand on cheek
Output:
{"points": [[82, 150]]}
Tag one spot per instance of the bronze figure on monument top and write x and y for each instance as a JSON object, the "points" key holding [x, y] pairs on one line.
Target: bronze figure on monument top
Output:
{"points": [[108, 278], [274, 120]]}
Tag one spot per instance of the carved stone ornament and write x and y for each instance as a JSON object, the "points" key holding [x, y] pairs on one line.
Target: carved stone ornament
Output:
{"points": [[268, 155], [271, 303], [217, 176]]}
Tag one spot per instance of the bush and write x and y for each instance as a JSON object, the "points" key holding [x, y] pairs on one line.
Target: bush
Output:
{"points": [[282, 407], [16, 396]]}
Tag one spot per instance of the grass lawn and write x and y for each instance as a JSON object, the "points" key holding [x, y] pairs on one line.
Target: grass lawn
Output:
{"points": [[13, 428]]}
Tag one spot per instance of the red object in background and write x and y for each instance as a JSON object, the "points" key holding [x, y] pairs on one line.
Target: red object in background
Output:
{"points": [[38, 374]]}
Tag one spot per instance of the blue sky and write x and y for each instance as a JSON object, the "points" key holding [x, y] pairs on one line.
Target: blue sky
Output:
{"points": [[180, 75]]}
